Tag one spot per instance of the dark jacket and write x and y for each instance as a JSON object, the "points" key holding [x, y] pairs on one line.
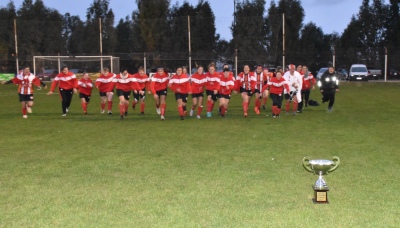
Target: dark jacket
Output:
{"points": [[329, 82]]}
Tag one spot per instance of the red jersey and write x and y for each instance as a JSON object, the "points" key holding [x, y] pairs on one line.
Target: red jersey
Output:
{"points": [[143, 81], [180, 84], [212, 81], [198, 81], [226, 85], [308, 81], [65, 81], [104, 82], [26, 83], [246, 81], [126, 83], [276, 86], [158, 82], [85, 86], [261, 80]]}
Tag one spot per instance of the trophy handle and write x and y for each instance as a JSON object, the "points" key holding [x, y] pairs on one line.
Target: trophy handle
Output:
{"points": [[306, 164], [336, 160]]}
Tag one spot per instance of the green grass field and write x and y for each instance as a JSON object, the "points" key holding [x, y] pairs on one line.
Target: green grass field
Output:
{"points": [[99, 171]]}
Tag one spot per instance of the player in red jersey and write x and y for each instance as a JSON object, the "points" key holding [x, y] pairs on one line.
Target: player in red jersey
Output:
{"points": [[276, 86], [260, 81], [67, 84], [85, 87], [180, 84], [247, 83], [144, 83], [308, 84], [124, 83], [158, 88], [212, 87], [267, 76], [227, 84], [198, 82], [25, 81], [103, 84]]}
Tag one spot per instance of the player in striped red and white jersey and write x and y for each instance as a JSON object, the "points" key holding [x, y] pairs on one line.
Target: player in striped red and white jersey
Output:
{"points": [[227, 84], [246, 82], [144, 83], [104, 83], [25, 81], [212, 87], [180, 84], [276, 86], [124, 83], [85, 86], [158, 88], [198, 82], [67, 83]]}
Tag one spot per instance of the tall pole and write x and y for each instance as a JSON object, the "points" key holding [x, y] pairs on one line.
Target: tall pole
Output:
{"points": [[236, 62], [16, 45], [190, 47], [144, 62], [101, 45], [283, 42], [386, 57], [334, 57]]}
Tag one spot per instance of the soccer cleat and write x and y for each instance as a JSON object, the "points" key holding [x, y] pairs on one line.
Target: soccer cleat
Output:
{"points": [[109, 112], [162, 118], [64, 114], [182, 118], [198, 117], [141, 113], [299, 111], [121, 117], [102, 111], [133, 106], [245, 114], [263, 107], [209, 114], [330, 109], [29, 109], [274, 116], [222, 115], [158, 111], [25, 116], [85, 112], [191, 112], [294, 113], [66, 109], [277, 116], [126, 113]]}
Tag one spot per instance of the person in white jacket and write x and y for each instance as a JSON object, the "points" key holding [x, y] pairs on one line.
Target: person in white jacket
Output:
{"points": [[295, 81]]}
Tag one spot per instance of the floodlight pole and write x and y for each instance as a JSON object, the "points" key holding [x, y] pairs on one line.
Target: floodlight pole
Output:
{"points": [[101, 45], [16, 45], [283, 42], [144, 62], [386, 58], [190, 47]]}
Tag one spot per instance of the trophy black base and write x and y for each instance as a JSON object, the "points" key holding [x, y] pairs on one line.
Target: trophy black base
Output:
{"points": [[320, 195]]}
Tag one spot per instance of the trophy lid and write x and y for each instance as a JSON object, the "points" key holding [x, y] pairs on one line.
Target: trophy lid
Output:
{"points": [[321, 162]]}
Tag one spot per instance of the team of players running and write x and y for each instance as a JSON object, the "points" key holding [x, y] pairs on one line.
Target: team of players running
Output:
{"points": [[294, 85]]}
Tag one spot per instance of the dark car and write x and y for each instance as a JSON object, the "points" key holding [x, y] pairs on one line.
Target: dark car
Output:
{"points": [[343, 74], [47, 75]]}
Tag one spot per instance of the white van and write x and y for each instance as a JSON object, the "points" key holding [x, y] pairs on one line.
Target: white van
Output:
{"points": [[358, 72]]}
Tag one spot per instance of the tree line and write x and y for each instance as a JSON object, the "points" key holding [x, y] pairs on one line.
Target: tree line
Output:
{"points": [[161, 31]]}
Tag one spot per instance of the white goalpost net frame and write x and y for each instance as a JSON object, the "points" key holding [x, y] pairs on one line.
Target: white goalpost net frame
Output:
{"points": [[114, 66]]}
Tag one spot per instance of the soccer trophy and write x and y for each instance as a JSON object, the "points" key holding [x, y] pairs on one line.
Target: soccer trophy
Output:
{"points": [[320, 167]]}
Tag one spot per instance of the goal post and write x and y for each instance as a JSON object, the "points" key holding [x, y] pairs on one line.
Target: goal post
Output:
{"points": [[46, 66]]}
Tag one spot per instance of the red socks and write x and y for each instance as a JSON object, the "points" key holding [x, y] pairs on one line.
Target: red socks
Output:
{"points": [[142, 105], [110, 103]]}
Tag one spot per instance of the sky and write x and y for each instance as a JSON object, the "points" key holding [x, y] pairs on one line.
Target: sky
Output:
{"points": [[330, 15]]}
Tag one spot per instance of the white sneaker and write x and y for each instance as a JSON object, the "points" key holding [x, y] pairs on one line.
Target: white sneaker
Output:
{"points": [[25, 116], [66, 109], [102, 111], [191, 112], [64, 115], [158, 111], [162, 118], [198, 117], [29, 109]]}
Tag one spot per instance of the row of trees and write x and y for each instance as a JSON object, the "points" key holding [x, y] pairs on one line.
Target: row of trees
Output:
{"points": [[161, 31]]}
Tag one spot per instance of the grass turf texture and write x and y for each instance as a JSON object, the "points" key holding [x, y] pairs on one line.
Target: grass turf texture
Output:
{"points": [[98, 171]]}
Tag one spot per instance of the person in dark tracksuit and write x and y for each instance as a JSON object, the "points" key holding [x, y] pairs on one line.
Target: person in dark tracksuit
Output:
{"points": [[329, 86]]}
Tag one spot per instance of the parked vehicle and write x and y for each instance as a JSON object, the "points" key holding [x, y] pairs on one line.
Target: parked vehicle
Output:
{"points": [[320, 72], [47, 75], [358, 72], [343, 74], [374, 73], [393, 74]]}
